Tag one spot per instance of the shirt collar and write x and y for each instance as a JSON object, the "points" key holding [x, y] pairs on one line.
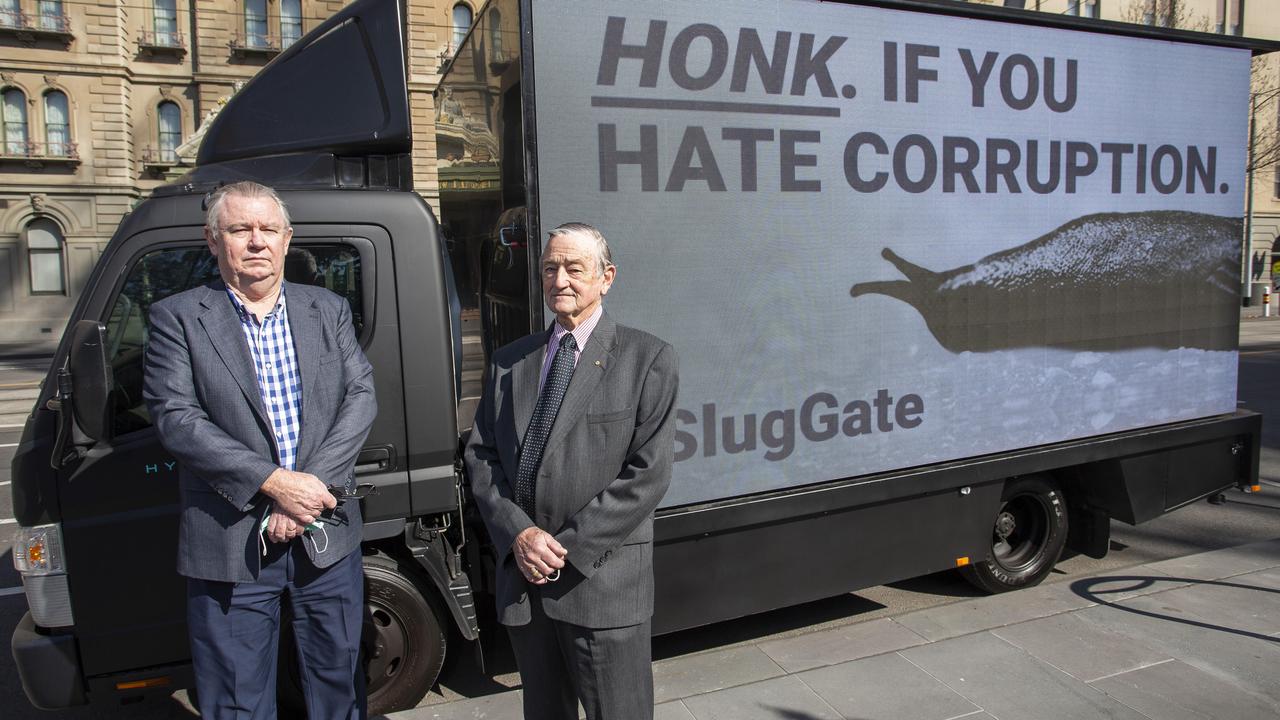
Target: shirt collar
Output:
{"points": [[243, 311], [581, 334]]}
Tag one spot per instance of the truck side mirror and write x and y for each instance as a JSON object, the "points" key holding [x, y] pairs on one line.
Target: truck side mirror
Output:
{"points": [[91, 379]]}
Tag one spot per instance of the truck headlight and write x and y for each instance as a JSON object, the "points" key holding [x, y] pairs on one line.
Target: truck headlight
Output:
{"points": [[37, 554], [38, 550]]}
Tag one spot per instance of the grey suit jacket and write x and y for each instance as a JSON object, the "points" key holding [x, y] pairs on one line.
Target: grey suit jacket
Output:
{"points": [[202, 393], [606, 466]]}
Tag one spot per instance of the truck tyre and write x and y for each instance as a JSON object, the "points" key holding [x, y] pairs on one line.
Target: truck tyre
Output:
{"points": [[403, 643], [1027, 538], [404, 640]]}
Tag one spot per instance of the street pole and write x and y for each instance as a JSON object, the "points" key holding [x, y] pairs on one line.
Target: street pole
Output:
{"points": [[1246, 251]]}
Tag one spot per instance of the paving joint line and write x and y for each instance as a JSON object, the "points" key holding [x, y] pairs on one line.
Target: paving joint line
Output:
{"points": [[1132, 669], [736, 685], [970, 713], [816, 694], [942, 682]]}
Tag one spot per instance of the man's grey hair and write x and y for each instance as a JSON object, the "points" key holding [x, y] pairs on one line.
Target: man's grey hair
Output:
{"points": [[244, 189], [580, 228]]}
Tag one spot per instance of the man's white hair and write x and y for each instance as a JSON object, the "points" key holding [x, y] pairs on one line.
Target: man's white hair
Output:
{"points": [[603, 257], [244, 189]]}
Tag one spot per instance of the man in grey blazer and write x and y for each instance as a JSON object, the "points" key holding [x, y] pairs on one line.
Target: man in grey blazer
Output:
{"points": [[259, 389], [570, 454]]}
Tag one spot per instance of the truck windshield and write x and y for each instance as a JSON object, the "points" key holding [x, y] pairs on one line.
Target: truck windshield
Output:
{"points": [[161, 273]]}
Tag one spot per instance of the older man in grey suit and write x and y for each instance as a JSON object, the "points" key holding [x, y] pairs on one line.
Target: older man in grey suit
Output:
{"points": [[569, 456], [260, 390]]}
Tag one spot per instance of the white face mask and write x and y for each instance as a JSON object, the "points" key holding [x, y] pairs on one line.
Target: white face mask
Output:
{"points": [[308, 536]]}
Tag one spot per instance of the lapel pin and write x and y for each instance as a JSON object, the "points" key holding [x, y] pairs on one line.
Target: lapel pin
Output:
{"points": [[598, 364]]}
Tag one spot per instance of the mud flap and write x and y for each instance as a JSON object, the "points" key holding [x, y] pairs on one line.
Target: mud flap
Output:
{"points": [[1089, 531]]}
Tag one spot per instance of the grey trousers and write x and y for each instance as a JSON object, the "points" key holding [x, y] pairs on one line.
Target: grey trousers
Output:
{"points": [[609, 670]]}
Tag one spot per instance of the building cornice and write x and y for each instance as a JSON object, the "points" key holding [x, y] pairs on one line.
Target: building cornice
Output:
{"points": [[96, 71], [66, 68], [89, 190], [222, 77]]}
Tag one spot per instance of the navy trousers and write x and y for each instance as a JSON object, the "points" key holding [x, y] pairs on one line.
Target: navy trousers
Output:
{"points": [[235, 632]]}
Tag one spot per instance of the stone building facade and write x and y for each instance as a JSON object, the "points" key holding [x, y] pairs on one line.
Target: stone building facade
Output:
{"points": [[99, 97]]}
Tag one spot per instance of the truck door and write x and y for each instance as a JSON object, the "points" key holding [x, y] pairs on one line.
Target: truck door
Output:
{"points": [[120, 503]]}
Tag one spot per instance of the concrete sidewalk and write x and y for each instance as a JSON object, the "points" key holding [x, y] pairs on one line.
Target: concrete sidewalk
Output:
{"points": [[1193, 637]]}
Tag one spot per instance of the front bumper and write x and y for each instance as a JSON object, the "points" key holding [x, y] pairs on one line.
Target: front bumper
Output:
{"points": [[49, 667]]}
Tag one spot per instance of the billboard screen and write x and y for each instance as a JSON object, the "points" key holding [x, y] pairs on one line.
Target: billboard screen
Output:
{"points": [[881, 239]]}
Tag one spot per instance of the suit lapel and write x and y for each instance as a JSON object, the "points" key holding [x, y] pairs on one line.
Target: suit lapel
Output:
{"points": [[595, 361], [221, 324], [305, 325], [524, 385]]}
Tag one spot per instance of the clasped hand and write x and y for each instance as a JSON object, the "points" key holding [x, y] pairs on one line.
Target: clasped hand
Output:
{"points": [[538, 554], [299, 499]]}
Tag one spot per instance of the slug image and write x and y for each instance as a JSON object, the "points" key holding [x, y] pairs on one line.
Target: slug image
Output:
{"points": [[1109, 281]]}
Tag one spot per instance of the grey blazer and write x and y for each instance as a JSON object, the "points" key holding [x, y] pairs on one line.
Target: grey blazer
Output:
{"points": [[606, 466], [202, 393]]}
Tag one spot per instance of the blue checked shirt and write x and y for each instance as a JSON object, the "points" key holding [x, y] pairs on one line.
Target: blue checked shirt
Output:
{"points": [[276, 365]]}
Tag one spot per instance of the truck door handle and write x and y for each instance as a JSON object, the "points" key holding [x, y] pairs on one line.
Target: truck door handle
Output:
{"points": [[373, 459]]}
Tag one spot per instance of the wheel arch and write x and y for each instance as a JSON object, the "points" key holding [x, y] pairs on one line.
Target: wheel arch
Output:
{"points": [[432, 552]]}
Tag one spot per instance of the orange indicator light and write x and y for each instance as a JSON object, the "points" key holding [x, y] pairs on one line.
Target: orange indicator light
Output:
{"points": [[962, 561], [143, 684]]}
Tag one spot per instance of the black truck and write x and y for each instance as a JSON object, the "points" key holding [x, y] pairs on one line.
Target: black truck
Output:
{"points": [[765, 171]]}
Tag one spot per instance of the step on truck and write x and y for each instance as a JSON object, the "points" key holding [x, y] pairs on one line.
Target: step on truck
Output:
{"points": [[951, 286]]}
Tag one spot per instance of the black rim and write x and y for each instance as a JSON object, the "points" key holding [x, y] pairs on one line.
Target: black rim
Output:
{"points": [[387, 648], [1021, 531]]}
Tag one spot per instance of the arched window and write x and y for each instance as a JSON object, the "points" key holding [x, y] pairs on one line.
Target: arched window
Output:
{"points": [[44, 257], [164, 17], [170, 126], [15, 122], [495, 34], [290, 22], [57, 124], [461, 23], [255, 23]]}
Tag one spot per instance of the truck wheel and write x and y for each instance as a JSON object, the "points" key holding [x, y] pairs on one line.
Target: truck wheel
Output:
{"points": [[1028, 536], [403, 643]]}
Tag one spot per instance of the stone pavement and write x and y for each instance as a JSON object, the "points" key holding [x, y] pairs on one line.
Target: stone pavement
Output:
{"points": [[1193, 637]]}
